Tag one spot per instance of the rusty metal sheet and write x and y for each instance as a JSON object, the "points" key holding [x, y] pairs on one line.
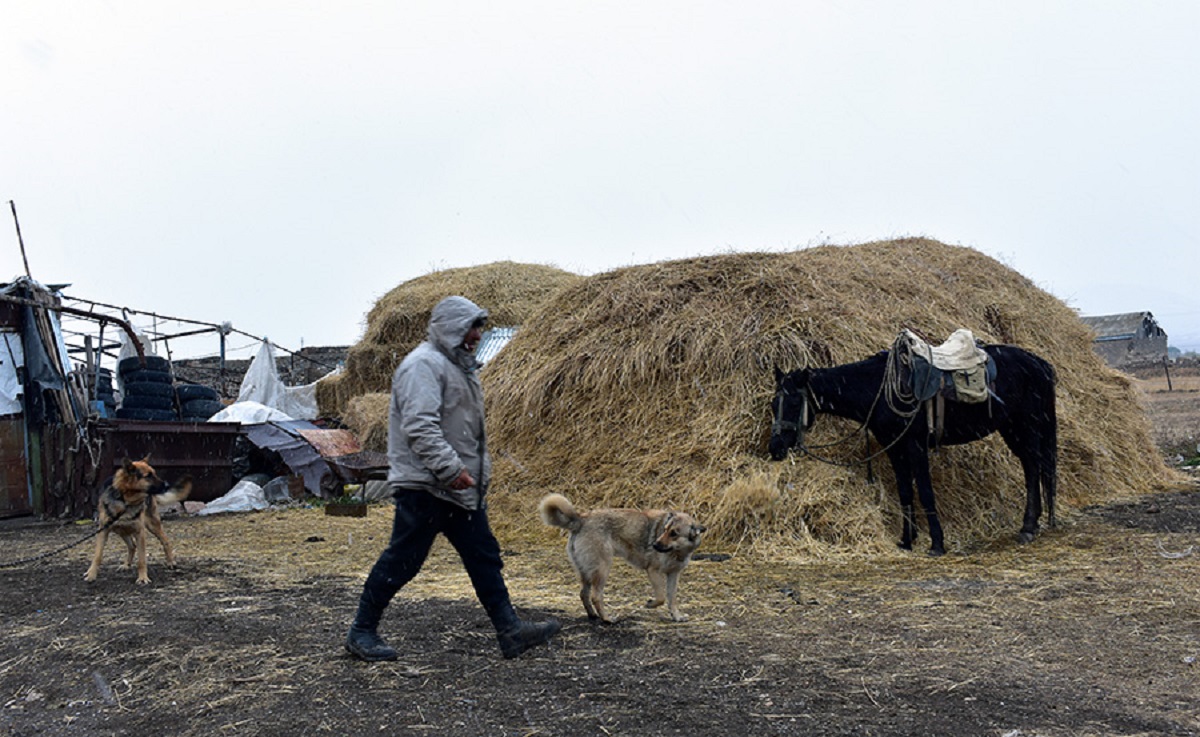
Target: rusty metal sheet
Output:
{"points": [[344, 454], [203, 450], [15, 498], [332, 443]]}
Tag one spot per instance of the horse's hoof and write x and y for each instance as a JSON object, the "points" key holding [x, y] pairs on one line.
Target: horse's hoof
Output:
{"points": [[904, 546], [936, 552], [1025, 537]]}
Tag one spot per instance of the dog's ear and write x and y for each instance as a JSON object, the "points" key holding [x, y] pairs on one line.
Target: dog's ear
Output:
{"points": [[146, 460], [127, 465]]}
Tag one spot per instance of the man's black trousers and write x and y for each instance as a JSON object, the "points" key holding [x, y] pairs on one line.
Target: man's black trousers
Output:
{"points": [[420, 517]]}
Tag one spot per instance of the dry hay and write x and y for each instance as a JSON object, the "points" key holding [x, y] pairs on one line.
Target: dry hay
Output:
{"points": [[366, 415], [397, 323], [649, 386]]}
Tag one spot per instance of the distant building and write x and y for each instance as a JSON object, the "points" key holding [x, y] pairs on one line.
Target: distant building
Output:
{"points": [[1128, 339]]}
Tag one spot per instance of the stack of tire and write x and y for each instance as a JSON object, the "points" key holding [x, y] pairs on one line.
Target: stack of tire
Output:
{"points": [[197, 402], [146, 390], [100, 389]]}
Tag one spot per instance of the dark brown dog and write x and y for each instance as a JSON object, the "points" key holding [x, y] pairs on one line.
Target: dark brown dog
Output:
{"points": [[658, 541], [129, 507]]}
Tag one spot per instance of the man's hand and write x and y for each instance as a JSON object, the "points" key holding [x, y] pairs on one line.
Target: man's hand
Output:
{"points": [[463, 480]]}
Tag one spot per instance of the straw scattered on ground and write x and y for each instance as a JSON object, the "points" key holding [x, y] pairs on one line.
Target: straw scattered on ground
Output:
{"points": [[1088, 631]]}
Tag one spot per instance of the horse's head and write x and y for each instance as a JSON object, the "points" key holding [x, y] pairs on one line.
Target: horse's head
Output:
{"points": [[791, 411]]}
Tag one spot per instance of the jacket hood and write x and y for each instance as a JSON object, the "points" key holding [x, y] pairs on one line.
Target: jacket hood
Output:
{"points": [[449, 323]]}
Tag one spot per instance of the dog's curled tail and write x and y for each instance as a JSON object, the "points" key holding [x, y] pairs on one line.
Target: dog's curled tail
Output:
{"points": [[177, 493], [558, 511]]}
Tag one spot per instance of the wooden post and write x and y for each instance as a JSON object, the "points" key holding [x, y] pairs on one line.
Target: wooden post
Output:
{"points": [[1167, 370], [221, 372], [20, 240]]}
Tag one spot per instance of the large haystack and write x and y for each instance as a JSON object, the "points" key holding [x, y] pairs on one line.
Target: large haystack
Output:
{"points": [[510, 292], [650, 386]]}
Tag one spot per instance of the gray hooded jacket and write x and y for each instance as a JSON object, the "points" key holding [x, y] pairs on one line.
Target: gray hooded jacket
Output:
{"points": [[435, 420]]}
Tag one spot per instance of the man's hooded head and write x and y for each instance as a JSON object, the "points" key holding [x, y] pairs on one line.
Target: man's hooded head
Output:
{"points": [[449, 324]]}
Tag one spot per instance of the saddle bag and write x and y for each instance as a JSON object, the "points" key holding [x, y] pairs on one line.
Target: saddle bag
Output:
{"points": [[957, 370]]}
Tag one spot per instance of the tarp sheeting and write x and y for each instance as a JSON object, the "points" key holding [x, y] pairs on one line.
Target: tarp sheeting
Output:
{"points": [[297, 453], [324, 458], [249, 413], [262, 384], [12, 358]]}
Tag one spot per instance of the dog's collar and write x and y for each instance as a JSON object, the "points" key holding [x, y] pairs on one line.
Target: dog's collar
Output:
{"points": [[132, 510]]}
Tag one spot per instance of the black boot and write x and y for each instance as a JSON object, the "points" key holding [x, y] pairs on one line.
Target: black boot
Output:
{"points": [[366, 644], [520, 636], [362, 641]]}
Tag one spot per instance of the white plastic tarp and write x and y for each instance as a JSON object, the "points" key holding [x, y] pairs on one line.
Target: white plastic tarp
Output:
{"points": [[129, 350], [249, 413], [12, 358], [262, 384], [245, 496]]}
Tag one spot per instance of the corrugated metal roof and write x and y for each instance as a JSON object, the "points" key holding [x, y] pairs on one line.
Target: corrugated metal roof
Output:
{"points": [[298, 454], [492, 342]]}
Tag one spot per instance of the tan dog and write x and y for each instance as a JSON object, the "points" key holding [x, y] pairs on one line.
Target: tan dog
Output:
{"points": [[129, 507], [657, 541]]}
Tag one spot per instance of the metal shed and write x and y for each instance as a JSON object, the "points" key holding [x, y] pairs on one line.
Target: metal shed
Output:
{"points": [[1128, 338]]}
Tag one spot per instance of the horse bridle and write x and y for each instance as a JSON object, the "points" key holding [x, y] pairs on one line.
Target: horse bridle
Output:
{"points": [[779, 424]]}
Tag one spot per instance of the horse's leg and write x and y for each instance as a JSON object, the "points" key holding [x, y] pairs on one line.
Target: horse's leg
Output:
{"points": [[908, 529], [1033, 497], [1027, 444], [920, 468]]}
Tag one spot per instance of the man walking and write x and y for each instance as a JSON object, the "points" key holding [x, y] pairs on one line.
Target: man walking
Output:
{"points": [[439, 469]]}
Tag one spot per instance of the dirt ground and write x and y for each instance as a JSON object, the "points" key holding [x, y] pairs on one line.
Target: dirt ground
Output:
{"points": [[1094, 629]]}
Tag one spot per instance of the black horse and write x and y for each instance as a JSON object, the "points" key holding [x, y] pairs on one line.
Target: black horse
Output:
{"points": [[1021, 408]]}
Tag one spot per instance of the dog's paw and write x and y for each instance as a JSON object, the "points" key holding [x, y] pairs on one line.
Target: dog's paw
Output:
{"points": [[677, 617], [651, 603], [90, 576], [143, 580]]}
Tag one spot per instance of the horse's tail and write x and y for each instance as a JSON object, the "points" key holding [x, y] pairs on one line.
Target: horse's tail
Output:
{"points": [[558, 511], [1049, 449], [1050, 479]]}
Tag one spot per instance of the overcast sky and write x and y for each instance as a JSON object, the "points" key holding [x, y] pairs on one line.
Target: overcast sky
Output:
{"points": [[280, 165]]}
